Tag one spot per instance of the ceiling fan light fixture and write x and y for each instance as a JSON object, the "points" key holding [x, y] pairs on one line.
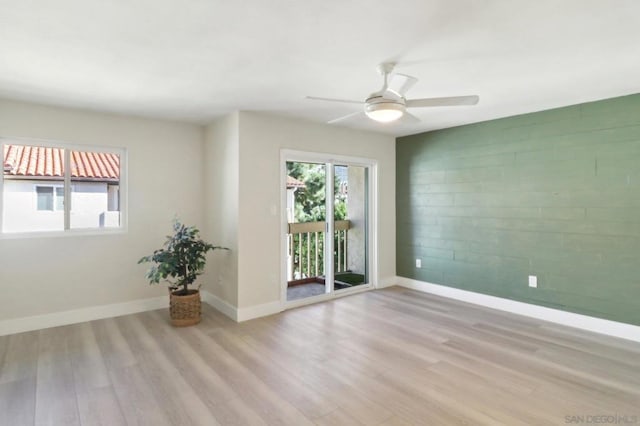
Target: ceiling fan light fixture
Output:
{"points": [[384, 112], [390, 103]]}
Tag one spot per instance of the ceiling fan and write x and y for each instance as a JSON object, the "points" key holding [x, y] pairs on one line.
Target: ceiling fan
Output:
{"points": [[389, 103]]}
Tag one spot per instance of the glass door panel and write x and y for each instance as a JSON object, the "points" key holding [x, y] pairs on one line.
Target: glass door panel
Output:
{"points": [[306, 226], [350, 211]]}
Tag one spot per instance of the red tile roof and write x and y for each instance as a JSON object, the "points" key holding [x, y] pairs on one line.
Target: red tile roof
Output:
{"points": [[294, 183], [38, 161]]}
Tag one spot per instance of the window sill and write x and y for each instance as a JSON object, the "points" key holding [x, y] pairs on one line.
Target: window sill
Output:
{"points": [[63, 234]]}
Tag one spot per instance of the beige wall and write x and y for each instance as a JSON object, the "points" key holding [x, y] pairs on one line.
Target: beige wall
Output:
{"points": [[45, 275], [225, 178], [221, 174], [262, 136]]}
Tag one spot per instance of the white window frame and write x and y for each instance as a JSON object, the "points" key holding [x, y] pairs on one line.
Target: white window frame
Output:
{"points": [[47, 185], [68, 147]]}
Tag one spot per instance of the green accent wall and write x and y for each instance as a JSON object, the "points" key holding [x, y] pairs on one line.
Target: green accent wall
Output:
{"points": [[554, 194]]}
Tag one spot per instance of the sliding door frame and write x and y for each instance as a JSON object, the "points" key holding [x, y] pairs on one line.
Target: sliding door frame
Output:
{"points": [[372, 231]]}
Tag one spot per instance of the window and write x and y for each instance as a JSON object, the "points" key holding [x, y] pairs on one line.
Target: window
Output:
{"points": [[46, 200], [59, 187]]}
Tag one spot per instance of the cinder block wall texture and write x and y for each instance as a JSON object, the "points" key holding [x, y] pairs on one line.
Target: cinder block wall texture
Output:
{"points": [[554, 194]]}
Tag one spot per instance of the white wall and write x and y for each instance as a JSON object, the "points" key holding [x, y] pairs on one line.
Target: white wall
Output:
{"points": [[224, 178], [221, 174], [89, 203], [262, 136], [44, 275], [89, 200], [20, 207]]}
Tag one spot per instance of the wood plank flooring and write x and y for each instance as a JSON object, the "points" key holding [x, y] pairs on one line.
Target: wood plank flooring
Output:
{"points": [[387, 357]]}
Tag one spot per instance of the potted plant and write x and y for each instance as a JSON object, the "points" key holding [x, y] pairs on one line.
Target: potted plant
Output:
{"points": [[179, 262]]}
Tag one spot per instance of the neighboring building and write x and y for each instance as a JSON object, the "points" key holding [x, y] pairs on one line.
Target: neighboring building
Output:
{"points": [[292, 186], [33, 189]]}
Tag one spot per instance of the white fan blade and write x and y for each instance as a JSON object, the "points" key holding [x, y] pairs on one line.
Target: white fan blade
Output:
{"points": [[346, 117], [438, 102], [391, 94], [401, 83], [409, 118], [346, 101]]}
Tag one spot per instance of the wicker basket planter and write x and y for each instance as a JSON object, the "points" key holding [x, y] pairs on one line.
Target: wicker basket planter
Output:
{"points": [[179, 262], [185, 310]]}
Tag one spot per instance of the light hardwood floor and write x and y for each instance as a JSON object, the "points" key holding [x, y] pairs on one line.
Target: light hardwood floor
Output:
{"points": [[388, 357]]}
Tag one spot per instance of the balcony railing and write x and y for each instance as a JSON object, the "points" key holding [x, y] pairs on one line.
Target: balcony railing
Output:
{"points": [[306, 249]]}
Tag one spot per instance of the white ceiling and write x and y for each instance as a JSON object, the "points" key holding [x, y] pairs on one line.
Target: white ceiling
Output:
{"points": [[195, 60]]}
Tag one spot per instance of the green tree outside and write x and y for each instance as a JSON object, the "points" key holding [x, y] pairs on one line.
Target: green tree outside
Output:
{"points": [[310, 206]]}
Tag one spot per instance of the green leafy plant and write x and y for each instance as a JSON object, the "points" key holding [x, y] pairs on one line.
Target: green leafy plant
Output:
{"points": [[180, 260]]}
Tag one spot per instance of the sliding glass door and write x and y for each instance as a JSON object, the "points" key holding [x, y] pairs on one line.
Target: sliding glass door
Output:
{"points": [[327, 228]]}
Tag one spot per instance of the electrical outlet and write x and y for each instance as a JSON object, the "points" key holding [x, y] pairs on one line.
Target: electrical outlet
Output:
{"points": [[533, 281], [418, 263]]}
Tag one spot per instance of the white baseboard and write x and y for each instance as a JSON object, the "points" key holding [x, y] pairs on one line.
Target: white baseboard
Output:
{"points": [[241, 314], [570, 319], [219, 304], [257, 311], [55, 319], [387, 282]]}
